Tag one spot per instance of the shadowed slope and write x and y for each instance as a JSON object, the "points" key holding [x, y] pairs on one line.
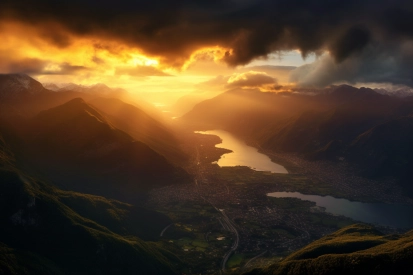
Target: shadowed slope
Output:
{"points": [[76, 147], [141, 127], [45, 230]]}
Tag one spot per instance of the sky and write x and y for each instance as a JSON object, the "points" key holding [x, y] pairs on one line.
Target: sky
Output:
{"points": [[182, 46]]}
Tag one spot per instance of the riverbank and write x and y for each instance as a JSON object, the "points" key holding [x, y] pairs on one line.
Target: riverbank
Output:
{"points": [[339, 178]]}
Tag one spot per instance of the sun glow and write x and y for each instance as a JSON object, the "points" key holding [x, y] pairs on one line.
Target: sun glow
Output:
{"points": [[88, 60], [141, 60]]}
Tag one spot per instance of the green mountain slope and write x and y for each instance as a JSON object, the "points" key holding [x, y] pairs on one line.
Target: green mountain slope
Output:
{"points": [[49, 231], [357, 249]]}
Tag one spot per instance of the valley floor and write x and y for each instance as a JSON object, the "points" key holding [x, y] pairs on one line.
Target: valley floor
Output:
{"points": [[224, 221]]}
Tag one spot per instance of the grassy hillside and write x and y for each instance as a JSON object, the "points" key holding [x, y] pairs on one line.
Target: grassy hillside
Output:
{"points": [[49, 231], [36, 219], [357, 249]]}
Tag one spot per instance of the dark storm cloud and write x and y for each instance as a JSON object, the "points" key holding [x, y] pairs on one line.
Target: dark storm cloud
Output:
{"points": [[251, 28], [25, 66], [377, 63], [61, 69], [35, 66], [353, 41]]}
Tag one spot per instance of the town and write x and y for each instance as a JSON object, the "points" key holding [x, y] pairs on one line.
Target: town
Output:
{"points": [[225, 222]]}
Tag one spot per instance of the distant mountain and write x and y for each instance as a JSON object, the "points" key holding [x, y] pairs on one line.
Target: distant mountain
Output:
{"points": [[401, 92], [96, 89], [248, 112], [100, 90], [185, 103], [23, 96], [45, 230], [18, 86], [357, 249], [51, 86], [75, 146], [340, 122], [295, 122], [228, 110], [350, 111]]}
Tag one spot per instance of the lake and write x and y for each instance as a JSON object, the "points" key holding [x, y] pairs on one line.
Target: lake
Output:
{"points": [[242, 154], [394, 215]]}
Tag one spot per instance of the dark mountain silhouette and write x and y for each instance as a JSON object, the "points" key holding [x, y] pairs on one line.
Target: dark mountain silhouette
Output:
{"points": [[76, 147], [101, 90], [141, 127], [18, 86], [357, 249]]}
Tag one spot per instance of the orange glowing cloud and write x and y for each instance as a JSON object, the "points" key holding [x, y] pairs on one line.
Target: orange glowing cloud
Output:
{"points": [[24, 49], [252, 79]]}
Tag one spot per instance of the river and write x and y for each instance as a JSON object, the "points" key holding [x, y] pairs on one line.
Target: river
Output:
{"points": [[243, 154], [394, 215]]}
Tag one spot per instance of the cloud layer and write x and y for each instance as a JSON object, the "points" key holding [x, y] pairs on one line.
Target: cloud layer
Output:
{"points": [[244, 29], [373, 65], [252, 79]]}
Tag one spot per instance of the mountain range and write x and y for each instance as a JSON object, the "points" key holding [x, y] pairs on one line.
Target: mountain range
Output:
{"points": [[340, 122], [69, 170], [80, 147]]}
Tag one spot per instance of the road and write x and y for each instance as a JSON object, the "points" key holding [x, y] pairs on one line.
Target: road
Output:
{"points": [[256, 257], [163, 231], [225, 221], [235, 245]]}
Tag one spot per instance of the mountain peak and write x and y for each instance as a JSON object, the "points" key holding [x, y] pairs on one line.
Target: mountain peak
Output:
{"points": [[77, 100], [16, 85], [348, 93], [74, 108], [344, 88], [100, 85]]}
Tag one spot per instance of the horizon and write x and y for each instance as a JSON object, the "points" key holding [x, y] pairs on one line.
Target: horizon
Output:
{"points": [[130, 50]]}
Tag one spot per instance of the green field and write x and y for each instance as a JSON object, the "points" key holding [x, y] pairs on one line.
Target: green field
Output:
{"points": [[235, 260]]}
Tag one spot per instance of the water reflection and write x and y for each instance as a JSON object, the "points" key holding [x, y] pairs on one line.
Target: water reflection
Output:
{"points": [[243, 155], [394, 215]]}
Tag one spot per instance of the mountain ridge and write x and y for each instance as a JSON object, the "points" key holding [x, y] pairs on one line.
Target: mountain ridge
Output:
{"points": [[358, 249]]}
